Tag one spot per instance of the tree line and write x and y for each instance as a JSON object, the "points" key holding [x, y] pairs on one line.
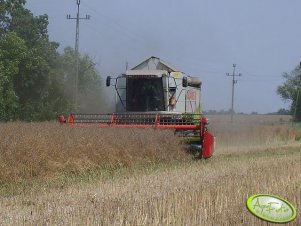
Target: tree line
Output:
{"points": [[290, 91], [36, 80]]}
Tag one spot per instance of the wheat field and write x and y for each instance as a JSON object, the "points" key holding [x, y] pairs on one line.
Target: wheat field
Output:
{"points": [[54, 175]]}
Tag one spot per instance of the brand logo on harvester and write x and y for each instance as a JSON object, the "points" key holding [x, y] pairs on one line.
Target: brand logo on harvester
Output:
{"points": [[271, 208]]}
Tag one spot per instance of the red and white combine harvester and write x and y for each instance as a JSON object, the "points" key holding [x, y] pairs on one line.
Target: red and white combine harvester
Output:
{"points": [[155, 95]]}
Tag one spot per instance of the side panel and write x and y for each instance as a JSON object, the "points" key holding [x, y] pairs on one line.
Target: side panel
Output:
{"points": [[177, 91], [188, 99], [208, 145], [120, 91], [165, 82], [193, 104]]}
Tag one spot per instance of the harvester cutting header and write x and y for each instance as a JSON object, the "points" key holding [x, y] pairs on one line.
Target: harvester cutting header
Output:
{"points": [[154, 94]]}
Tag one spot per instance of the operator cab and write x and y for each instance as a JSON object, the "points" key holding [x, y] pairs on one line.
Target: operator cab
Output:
{"points": [[148, 89], [145, 93]]}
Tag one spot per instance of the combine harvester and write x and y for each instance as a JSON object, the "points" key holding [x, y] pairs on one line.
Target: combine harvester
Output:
{"points": [[155, 95]]}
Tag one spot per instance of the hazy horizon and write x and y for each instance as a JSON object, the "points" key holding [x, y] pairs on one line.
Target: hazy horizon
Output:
{"points": [[202, 38]]}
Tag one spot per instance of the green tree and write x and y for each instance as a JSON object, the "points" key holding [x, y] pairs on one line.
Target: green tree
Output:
{"points": [[7, 10], [89, 82], [291, 91], [12, 52], [32, 82], [35, 80], [283, 111]]}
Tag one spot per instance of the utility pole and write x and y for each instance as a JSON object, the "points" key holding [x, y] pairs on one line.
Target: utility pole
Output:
{"points": [[233, 83], [77, 18]]}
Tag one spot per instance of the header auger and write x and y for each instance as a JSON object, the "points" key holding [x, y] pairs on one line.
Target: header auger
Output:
{"points": [[155, 95]]}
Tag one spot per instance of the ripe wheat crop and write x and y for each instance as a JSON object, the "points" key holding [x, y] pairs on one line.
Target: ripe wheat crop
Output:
{"points": [[250, 158], [43, 149]]}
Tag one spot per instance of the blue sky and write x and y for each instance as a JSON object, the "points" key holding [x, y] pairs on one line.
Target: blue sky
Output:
{"points": [[200, 37]]}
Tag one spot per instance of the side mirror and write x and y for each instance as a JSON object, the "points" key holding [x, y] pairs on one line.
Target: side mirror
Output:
{"points": [[184, 82], [108, 81]]}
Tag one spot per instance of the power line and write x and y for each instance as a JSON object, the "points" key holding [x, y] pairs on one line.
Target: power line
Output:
{"points": [[233, 83], [77, 18]]}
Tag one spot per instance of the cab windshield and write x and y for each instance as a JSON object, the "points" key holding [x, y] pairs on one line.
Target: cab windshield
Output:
{"points": [[145, 94]]}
